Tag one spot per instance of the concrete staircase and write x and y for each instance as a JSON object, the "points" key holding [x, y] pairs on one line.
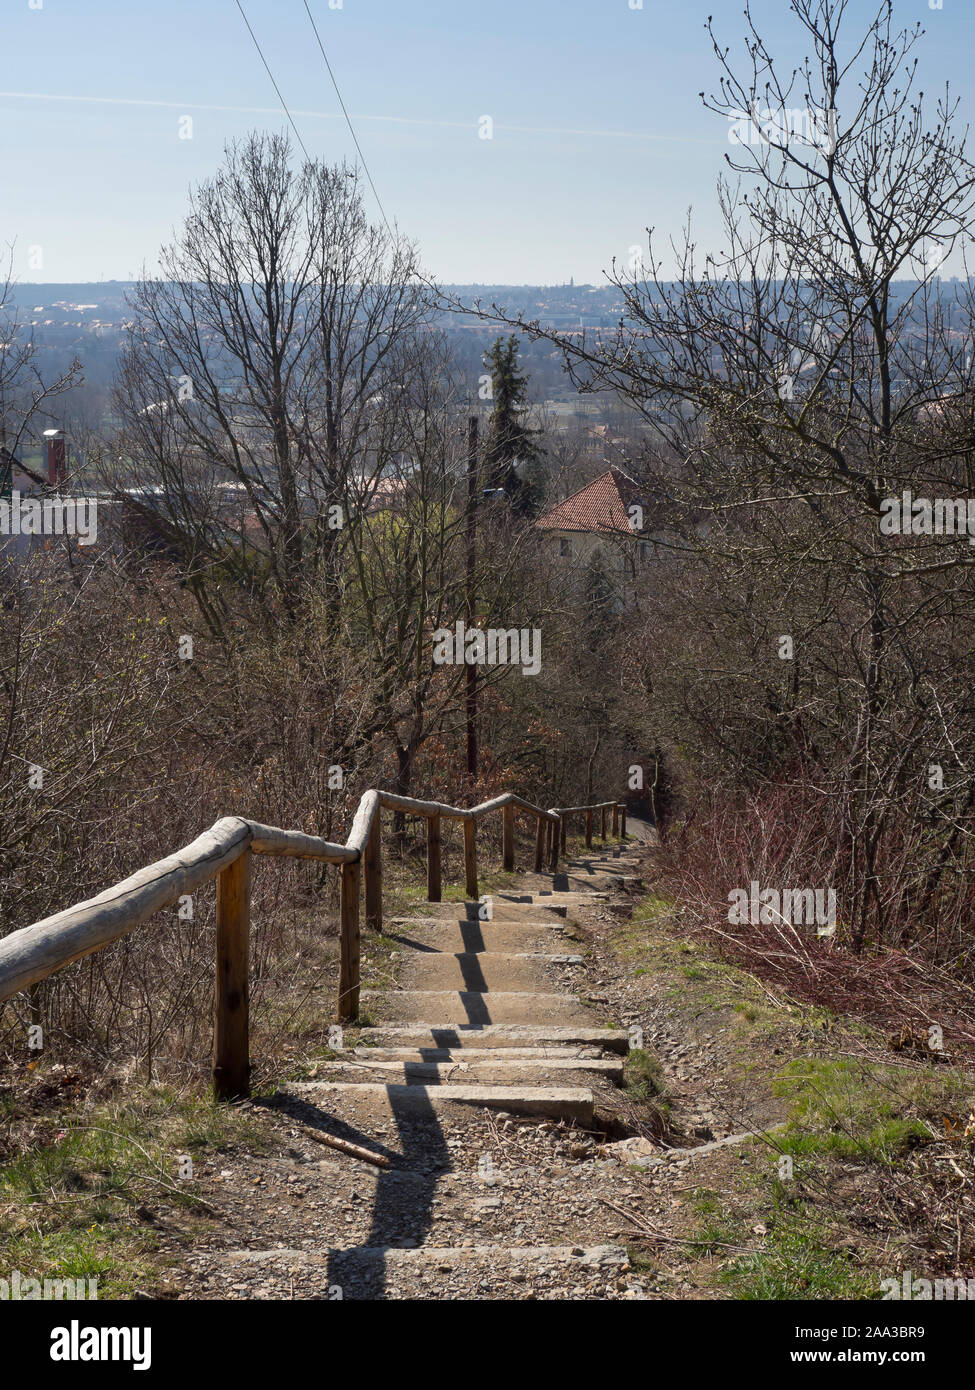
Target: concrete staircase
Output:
{"points": [[487, 1012], [486, 1022]]}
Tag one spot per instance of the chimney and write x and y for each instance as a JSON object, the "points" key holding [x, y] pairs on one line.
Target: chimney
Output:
{"points": [[57, 465]]}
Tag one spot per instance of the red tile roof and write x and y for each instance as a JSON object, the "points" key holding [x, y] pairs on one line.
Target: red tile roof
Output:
{"points": [[599, 506]]}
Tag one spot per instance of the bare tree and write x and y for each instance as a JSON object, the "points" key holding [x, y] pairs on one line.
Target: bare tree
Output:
{"points": [[255, 362], [799, 380]]}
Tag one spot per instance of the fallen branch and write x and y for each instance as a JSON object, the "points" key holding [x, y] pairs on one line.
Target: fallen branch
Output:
{"points": [[331, 1141]]}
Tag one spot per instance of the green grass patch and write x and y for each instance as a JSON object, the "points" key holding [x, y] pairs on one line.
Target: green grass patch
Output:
{"points": [[797, 1261], [653, 908], [856, 1109], [642, 1075], [77, 1202]]}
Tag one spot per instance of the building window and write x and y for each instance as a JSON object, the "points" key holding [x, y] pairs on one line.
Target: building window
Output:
{"points": [[565, 547]]}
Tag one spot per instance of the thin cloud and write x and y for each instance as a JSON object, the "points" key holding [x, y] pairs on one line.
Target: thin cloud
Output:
{"points": [[337, 116]]}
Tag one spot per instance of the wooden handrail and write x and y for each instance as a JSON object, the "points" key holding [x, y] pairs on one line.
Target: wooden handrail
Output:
{"points": [[225, 852], [619, 819]]}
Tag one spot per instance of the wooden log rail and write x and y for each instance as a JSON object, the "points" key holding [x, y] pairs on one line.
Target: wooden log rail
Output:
{"points": [[618, 809], [225, 852]]}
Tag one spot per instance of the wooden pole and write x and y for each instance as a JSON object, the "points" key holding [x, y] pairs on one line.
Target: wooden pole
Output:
{"points": [[540, 829], [470, 858], [562, 833], [602, 825], [34, 1009], [349, 944], [231, 1044], [433, 859], [616, 818], [372, 860], [554, 844], [588, 829], [622, 822], [508, 838]]}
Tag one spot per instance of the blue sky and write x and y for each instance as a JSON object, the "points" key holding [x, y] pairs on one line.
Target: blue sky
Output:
{"points": [[599, 129]]}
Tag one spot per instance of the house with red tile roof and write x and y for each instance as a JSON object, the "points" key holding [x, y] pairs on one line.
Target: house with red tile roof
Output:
{"points": [[601, 526]]}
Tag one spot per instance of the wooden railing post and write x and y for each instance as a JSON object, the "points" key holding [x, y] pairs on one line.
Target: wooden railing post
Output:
{"points": [[622, 822], [539, 844], [616, 818], [602, 824], [470, 858], [231, 1005], [508, 838], [554, 834], [372, 860], [349, 943], [588, 829], [562, 834], [35, 1008], [433, 858]]}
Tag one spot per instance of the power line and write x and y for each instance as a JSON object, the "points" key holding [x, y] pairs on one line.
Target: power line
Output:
{"points": [[273, 83], [348, 120]]}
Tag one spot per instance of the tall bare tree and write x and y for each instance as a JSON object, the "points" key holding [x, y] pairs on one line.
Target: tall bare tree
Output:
{"points": [[279, 321]]}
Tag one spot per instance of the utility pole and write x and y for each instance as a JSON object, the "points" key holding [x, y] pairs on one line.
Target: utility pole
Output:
{"points": [[471, 548]]}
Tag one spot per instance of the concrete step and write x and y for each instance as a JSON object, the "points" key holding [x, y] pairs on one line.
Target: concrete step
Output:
{"points": [[542, 921], [498, 911], [557, 882], [424, 1272], [493, 1035], [604, 850], [473, 1006], [554, 1102], [600, 882], [584, 869], [484, 972], [599, 878], [461, 1070], [579, 1053], [458, 937], [588, 868], [596, 1255], [605, 883], [547, 898], [617, 883]]}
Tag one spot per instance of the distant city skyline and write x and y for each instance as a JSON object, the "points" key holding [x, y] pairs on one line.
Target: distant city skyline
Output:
{"points": [[112, 113]]}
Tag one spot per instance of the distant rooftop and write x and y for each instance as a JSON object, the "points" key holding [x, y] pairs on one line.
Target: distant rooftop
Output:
{"points": [[601, 506]]}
